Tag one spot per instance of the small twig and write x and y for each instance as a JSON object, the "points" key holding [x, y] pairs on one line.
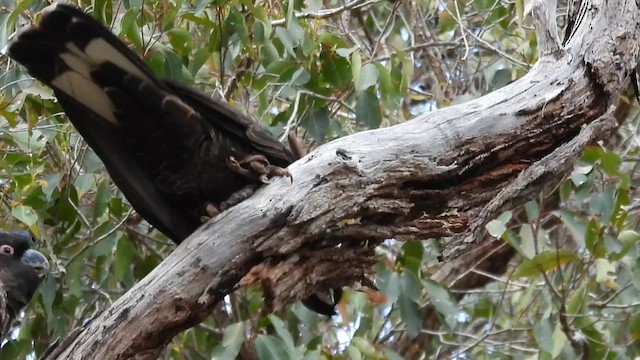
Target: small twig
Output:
{"points": [[463, 30], [503, 54], [576, 338], [94, 242], [388, 25], [292, 119], [322, 14]]}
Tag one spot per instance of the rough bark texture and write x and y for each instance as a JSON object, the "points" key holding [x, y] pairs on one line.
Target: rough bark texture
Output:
{"points": [[443, 174], [5, 317], [491, 256]]}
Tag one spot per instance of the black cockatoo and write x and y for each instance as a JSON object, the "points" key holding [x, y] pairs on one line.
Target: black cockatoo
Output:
{"points": [[176, 154], [21, 271]]}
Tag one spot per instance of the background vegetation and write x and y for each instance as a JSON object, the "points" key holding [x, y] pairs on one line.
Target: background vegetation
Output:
{"points": [[329, 68]]}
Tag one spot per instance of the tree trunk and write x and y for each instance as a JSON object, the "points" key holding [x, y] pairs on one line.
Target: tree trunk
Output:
{"points": [[5, 317], [445, 173]]}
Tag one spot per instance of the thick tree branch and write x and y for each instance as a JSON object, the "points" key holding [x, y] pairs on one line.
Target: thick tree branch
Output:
{"points": [[493, 256], [544, 14], [430, 177]]}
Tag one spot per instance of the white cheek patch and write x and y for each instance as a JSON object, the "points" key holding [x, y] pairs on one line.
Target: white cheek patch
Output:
{"points": [[86, 92], [99, 51]]}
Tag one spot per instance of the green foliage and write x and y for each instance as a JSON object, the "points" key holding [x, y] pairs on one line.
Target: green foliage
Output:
{"points": [[329, 75]]}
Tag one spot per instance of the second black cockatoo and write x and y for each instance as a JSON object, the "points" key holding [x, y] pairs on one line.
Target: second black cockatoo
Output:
{"points": [[176, 154], [21, 271]]}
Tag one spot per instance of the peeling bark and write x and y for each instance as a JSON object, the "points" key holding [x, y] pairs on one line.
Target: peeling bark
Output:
{"points": [[445, 173]]}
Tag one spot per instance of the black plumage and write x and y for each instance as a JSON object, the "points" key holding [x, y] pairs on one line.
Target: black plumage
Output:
{"points": [[171, 150], [21, 272], [324, 302], [176, 154]]}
